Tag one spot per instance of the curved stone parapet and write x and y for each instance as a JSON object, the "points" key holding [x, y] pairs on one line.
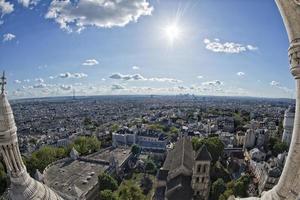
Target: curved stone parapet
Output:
{"points": [[288, 187]]}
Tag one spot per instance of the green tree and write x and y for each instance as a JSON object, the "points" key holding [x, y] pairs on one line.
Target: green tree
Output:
{"points": [[218, 188], [106, 182], [130, 191], [280, 147], [226, 194], [135, 149], [150, 166], [218, 170], [241, 185], [86, 145], [146, 184], [43, 157], [174, 130], [114, 127], [213, 144], [108, 195]]}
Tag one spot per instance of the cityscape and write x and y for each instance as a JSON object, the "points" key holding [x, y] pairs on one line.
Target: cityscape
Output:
{"points": [[243, 143], [149, 100]]}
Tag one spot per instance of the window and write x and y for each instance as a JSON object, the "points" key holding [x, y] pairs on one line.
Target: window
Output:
{"points": [[198, 168], [197, 179], [204, 168]]}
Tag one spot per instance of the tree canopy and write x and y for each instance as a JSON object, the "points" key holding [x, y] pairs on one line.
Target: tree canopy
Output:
{"points": [[218, 188], [86, 145], [135, 149], [106, 182], [213, 144], [108, 195], [130, 191]]}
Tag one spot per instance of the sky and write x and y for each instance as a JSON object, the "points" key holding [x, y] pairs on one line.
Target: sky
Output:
{"points": [[168, 47]]}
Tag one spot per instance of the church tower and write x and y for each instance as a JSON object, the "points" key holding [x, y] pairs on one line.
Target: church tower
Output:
{"points": [[23, 187], [201, 174]]}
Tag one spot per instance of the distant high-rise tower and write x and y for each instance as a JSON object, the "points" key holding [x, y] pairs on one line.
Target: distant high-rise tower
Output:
{"points": [[23, 187], [288, 124]]}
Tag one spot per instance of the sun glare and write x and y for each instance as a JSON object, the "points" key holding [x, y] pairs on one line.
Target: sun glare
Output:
{"points": [[172, 32]]}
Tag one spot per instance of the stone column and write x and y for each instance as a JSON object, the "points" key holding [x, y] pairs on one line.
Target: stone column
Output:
{"points": [[288, 187]]}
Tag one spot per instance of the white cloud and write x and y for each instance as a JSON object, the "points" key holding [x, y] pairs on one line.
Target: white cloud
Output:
{"points": [[199, 77], [65, 87], [40, 85], [117, 87], [39, 80], [127, 77], [27, 3], [170, 80], [241, 74], [107, 14], [51, 77], [8, 37], [42, 66], [90, 62], [6, 7], [136, 77], [274, 83], [72, 75], [26, 80], [277, 85], [227, 47], [213, 83], [252, 48], [17, 81], [135, 67]]}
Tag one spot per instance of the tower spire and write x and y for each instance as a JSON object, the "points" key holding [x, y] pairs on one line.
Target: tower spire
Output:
{"points": [[3, 82], [22, 186]]}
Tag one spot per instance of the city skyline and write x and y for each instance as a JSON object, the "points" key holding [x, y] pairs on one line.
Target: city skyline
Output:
{"points": [[50, 48]]}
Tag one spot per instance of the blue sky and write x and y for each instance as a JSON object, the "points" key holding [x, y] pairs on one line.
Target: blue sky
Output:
{"points": [[95, 47]]}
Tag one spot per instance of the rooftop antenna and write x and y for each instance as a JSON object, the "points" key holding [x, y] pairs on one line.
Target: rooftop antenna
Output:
{"points": [[3, 82]]}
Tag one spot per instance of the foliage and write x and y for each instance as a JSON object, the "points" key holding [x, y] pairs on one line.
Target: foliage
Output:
{"points": [[108, 195], [213, 144], [146, 184], [106, 182], [226, 194], [174, 130], [86, 145], [135, 149], [277, 146], [114, 127], [157, 127], [218, 188], [241, 185], [130, 191], [218, 170], [43, 157], [150, 166]]}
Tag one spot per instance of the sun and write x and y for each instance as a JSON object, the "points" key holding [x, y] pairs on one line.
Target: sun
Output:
{"points": [[172, 32]]}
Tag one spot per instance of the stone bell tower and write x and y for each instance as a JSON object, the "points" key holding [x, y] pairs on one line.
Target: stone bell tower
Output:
{"points": [[23, 187]]}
